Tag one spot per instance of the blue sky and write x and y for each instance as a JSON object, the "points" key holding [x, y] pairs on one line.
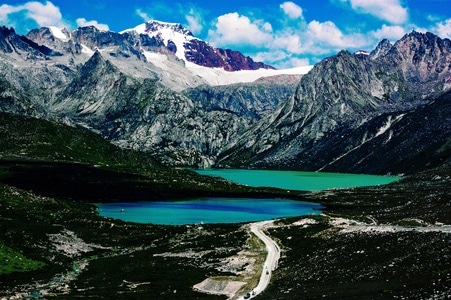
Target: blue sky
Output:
{"points": [[281, 33]]}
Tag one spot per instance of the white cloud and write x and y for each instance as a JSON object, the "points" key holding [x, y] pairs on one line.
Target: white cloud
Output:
{"points": [[328, 34], [325, 32], [145, 16], [6, 10], [297, 62], [291, 9], [389, 32], [289, 41], [443, 29], [388, 10], [281, 59], [43, 14], [82, 22], [195, 21], [289, 45], [233, 29]]}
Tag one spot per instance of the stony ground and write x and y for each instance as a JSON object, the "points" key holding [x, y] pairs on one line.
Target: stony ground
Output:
{"points": [[371, 243]]}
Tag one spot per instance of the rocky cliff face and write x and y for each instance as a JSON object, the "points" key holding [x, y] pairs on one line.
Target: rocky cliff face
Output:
{"points": [[344, 115], [131, 111], [159, 50], [250, 100], [342, 94], [203, 54], [144, 115]]}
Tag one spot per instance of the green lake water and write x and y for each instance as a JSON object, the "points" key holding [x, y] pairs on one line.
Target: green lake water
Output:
{"points": [[297, 180], [226, 210]]}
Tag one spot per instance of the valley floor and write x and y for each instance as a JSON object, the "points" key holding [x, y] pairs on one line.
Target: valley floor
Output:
{"points": [[382, 242]]}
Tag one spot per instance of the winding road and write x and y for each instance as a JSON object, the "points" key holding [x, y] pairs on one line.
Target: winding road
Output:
{"points": [[271, 261]]}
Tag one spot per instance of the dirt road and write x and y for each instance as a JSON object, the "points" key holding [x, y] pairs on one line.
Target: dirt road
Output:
{"points": [[271, 261]]}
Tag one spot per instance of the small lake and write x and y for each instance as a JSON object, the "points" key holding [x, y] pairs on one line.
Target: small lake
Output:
{"points": [[226, 210], [207, 210], [297, 180]]}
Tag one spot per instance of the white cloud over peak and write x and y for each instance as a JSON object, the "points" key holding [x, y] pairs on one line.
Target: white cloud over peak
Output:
{"points": [[195, 21], [443, 29], [145, 16], [36, 13], [282, 59], [298, 62], [288, 45], [6, 10], [81, 22], [328, 34], [289, 41], [389, 32], [43, 14], [233, 29], [388, 10], [291, 9]]}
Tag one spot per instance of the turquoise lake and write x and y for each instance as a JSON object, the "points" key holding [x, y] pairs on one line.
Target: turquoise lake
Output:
{"points": [[207, 210], [297, 180], [226, 210]]}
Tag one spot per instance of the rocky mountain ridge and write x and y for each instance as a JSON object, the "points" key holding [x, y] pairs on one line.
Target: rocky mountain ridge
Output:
{"points": [[133, 111], [344, 102], [185, 46], [343, 93], [168, 52]]}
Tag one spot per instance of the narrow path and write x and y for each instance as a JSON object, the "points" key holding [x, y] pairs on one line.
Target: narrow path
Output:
{"points": [[271, 261]]}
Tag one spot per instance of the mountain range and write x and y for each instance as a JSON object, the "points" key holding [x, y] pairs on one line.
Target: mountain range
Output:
{"points": [[158, 89], [69, 99]]}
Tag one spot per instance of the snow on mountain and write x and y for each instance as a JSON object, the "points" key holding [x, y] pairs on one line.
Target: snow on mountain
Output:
{"points": [[58, 33], [218, 76], [168, 32], [164, 51], [176, 38]]}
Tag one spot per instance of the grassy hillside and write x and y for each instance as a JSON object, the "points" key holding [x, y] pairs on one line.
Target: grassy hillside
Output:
{"points": [[57, 160], [35, 139]]}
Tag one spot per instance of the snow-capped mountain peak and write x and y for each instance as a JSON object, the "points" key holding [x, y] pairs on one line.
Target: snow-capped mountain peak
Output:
{"points": [[173, 35], [153, 26], [158, 26], [185, 46], [167, 51]]}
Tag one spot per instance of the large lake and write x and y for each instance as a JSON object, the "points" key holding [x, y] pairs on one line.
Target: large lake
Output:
{"points": [[207, 210], [226, 210], [296, 180]]}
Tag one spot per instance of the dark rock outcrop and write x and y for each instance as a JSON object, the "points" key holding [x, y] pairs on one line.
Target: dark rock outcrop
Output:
{"points": [[203, 54]]}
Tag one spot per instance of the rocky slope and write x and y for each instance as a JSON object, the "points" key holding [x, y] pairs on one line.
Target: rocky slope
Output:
{"points": [[352, 99], [344, 105], [144, 115], [251, 100], [164, 51], [182, 42], [132, 111], [109, 82]]}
